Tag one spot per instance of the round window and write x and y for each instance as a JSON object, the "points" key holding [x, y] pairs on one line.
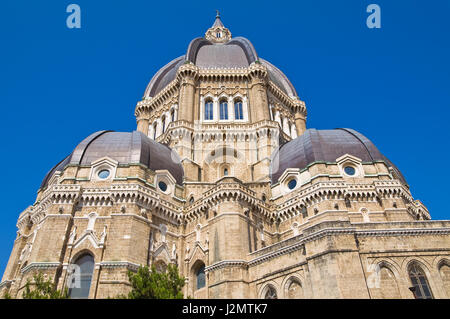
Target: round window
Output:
{"points": [[162, 186], [292, 183], [103, 174], [349, 170]]}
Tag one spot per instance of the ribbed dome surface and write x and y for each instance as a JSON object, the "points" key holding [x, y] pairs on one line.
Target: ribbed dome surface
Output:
{"points": [[325, 146], [124, 147], [236, 53]]}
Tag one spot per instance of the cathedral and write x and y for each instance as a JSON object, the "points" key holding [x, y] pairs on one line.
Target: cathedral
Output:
{"points": [[223, 178]]}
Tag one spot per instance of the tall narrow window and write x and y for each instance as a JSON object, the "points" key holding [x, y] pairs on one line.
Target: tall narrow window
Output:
{"points": [[154, 131], [80, 279], [172, 115], [420, 286], [238, 114], [223, 110], [163, 124], [209, 115], [225, 172], [201, 277]]}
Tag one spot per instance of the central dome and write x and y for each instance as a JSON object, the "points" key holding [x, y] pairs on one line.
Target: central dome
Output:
{"points": [[208, 53]]}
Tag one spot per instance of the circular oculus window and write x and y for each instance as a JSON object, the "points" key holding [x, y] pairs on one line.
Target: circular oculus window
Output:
{"points": [[103, 174], [349, 170], [292, 183], [162, 186]]}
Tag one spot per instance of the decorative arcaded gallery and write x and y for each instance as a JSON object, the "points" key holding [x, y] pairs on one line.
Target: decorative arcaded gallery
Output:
{"points": [[223, 178]]}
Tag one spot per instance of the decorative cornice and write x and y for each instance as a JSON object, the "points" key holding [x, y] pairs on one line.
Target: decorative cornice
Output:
{"points": [[40, 265], [6, 283], [141, 195], [226, 264], [230, 189], [403, 232], [321, 191], [119, 264]]}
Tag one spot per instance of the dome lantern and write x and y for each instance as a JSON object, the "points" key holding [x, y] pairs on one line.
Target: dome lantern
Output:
{"points": [[218, 33]]}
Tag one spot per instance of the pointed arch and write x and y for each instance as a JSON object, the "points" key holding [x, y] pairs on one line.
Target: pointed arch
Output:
{"points": [[419, 282]]}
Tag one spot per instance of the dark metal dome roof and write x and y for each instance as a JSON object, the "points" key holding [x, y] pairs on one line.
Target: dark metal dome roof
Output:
{"points": [[124, 147], [236, 53], [325, 146]]}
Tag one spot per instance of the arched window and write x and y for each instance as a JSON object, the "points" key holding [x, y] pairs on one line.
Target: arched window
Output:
{"points": [[294, 289], [223, 110], [271, 293], [225, 171], [420, 286], [238, 113], [387, 288], [80, 279], [172, 115], [200, 274], [209, 113], [444, 270], [160, 266], [154, 131]]}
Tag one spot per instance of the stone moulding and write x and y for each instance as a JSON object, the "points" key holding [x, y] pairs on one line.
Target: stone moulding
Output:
{"points": [[40, 265], [339, 231], [403, 232], [228, 190], [322, 190], [148, 198], [115, 194], [226, 264], [218, 74], [6, 283], [202, 132], [119, 264]]}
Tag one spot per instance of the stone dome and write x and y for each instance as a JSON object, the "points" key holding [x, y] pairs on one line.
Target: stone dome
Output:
{"points": [[236, 53], [124, 147], [325, 146]]}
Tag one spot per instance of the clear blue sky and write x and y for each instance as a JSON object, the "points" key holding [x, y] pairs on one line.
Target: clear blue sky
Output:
{"points": [[58, 85]]}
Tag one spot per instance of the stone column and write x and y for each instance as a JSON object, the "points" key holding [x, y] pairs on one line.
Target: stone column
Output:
{"points": [[300, 123], [216, 109], [142, 124], [259, 107], [231, 222], [187, 75], [230, 109]]}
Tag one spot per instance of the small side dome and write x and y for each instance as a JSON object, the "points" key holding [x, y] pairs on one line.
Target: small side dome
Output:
{"points": [[124, 147], [325, 146]]}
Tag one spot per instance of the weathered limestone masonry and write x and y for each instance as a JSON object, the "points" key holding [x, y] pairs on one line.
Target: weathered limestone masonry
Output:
{"points": [[223, 179]]}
